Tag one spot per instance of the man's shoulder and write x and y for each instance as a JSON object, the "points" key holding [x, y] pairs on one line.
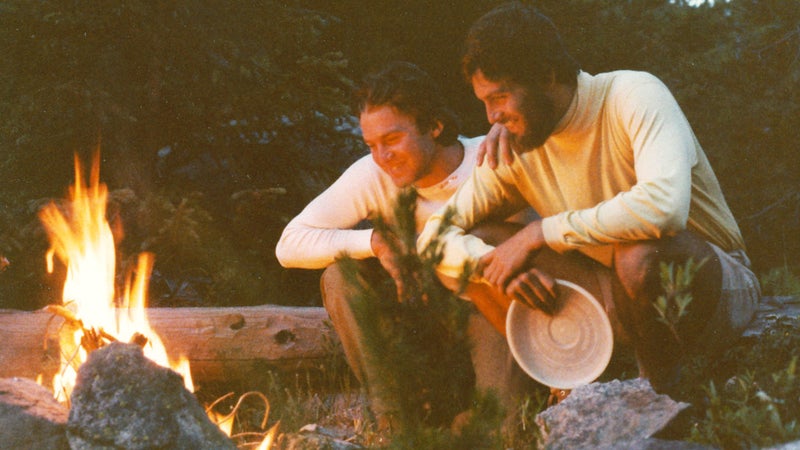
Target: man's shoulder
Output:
{"points": [[621, 87], [626, 75], [363, 166], [364, 174], [471, 146], [625, 79]]}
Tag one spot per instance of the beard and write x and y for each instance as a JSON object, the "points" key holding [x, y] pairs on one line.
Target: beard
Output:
{"points": [[538, 113]]}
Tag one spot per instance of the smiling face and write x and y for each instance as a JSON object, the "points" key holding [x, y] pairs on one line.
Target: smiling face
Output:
{"points": [[528, 114], [398, 147]]}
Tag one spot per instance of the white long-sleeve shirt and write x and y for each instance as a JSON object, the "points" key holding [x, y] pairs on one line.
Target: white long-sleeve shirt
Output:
{"points": [[622, 165], [324, 229]]}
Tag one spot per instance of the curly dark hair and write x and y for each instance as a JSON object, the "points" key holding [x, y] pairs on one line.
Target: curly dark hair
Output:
{"points": [[514, 42], [412, 91]]}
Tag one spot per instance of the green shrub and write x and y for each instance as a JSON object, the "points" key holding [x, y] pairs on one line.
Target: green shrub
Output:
{"points": [[780, 281]]}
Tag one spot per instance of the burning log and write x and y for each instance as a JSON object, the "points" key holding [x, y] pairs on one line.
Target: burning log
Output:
{"points": [[237, 344]]}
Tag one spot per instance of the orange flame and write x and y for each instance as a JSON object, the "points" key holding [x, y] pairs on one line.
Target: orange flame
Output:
{"points": [[81, 238], [224, 422], [267, 442]]}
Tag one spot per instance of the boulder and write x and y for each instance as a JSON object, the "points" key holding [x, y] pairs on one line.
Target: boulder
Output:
{"points": [[772, 310], [30, 417], [616, 414], [122, 400]]}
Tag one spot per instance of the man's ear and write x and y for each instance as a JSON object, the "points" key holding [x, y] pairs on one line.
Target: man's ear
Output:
{"points": [[437, 129]]}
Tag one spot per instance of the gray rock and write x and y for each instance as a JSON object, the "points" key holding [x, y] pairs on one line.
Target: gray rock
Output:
{"points": [[795, 445], [122, 400], [314, 440], [30, 417], [772, 310], [617, 414], [655, 444]]}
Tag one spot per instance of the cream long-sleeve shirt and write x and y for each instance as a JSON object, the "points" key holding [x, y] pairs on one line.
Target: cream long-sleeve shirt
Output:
{"points": [[622, 165], [324, 229]]}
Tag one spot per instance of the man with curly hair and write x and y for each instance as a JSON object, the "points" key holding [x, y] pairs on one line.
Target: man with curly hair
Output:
{"points": [[614, 170], [414, 141]]}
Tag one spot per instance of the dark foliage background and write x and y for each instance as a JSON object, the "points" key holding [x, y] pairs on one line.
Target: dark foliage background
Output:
{"points": [[218, 121]]}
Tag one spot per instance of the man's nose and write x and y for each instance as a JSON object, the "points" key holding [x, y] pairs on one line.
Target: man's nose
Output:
{"points": [[385, 154], [493, 115]]}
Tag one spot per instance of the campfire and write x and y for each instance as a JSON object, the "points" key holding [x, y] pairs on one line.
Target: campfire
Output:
{"points": [[95, 313], [82, 239]]}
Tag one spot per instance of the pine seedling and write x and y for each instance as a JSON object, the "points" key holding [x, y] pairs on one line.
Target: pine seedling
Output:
{"points": [[416, 346]]}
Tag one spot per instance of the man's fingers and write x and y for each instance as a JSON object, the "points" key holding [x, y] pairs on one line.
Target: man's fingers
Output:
{"points": [[504, 145], [534, 302], [549, 284], [492, 147], [508, 156], [491, 274], [535, 291], [481, 153], [526, 294], [496, 274], [491, 152]]}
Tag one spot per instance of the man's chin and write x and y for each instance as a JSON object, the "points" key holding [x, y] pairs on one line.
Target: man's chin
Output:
{"points": [[528, 141], [402, 183], [524, 143]]}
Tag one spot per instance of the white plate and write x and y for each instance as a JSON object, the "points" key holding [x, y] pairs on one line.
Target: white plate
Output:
{"points": [[566, 350]]}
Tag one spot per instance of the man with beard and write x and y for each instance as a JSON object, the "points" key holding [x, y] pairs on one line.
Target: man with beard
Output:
{"points": [[612, 167], [414, 141]]}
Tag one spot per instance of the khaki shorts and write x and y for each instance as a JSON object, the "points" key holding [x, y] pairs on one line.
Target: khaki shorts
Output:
{"points": [[738, 301], [739, 298]]}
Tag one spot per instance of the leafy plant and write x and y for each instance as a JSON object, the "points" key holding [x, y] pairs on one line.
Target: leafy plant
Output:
{"points": [[676, 282], [751, 412], [780, 281]]}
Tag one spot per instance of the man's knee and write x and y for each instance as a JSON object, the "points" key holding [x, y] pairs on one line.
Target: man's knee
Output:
{"points": [[635, 266], [638, 265], [336, 285], [336, 280], [332, 283]]}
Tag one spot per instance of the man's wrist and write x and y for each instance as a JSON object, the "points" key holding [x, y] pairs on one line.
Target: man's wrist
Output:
{"points": [[534, 236]]}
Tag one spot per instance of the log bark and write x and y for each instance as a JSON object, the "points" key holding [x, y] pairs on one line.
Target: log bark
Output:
{"points": [[230, 344]]}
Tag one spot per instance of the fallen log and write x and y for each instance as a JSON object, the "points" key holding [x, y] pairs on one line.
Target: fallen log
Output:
{"points": [[230, 344]]}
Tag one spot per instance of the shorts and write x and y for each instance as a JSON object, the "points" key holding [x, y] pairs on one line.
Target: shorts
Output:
{"points": [[739, 298]]}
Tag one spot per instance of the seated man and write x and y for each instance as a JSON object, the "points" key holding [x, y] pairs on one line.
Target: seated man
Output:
{"points": [[621, 184], [413, 141]]}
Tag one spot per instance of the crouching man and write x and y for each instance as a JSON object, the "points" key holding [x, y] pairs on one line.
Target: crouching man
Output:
{"points": [[414, 141], [613, 168]]}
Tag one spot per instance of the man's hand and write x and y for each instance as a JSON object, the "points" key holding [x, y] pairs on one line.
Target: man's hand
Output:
{"points": [[387, 259], [496, 145], [535, 289], [506, 268], [508, 259]]}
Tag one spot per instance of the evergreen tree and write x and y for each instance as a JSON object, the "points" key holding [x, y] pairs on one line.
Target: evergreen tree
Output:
{"points": [[417, 343]]}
